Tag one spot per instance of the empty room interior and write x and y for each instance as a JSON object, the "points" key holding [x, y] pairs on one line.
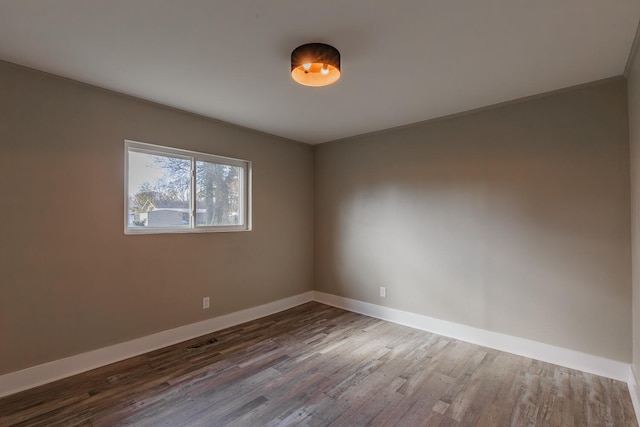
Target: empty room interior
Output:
{"points": [[319, 213]]}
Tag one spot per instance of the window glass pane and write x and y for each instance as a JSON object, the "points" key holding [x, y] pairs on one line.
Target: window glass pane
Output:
{"points": [[218, 189], [159, 191]]}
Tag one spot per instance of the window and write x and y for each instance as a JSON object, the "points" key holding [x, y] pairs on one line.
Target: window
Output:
{"points": [[169, 190]]}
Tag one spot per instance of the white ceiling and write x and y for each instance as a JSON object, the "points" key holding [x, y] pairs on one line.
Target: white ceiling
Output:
{"points": [[403, 61]]}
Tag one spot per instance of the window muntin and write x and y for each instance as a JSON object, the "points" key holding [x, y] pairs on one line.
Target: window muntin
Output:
{"points": [[168, 190]]}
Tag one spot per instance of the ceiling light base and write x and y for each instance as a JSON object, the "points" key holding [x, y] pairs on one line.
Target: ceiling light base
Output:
{"points": [[315, 64]]}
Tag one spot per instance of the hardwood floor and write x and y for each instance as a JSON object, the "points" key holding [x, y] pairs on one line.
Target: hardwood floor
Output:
{"points": [[317, 365]]}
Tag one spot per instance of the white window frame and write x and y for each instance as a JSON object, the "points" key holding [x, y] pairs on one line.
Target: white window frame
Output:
{"points": [[194, 156]]}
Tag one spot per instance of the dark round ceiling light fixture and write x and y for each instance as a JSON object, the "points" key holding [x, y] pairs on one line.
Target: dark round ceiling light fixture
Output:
{"points": [[315, 64]]}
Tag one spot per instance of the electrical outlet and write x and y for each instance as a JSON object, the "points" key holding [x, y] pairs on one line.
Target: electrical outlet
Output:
{"points": [[205, 303], [383, 292]]}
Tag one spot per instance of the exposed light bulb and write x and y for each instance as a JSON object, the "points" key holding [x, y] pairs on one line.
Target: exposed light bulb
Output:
{"points": [[325, 69], [306, 67]]}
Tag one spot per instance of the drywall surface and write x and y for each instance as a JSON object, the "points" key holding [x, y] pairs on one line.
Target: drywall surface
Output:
{"points": [[513, 219], [71, 280], [634, 142]]}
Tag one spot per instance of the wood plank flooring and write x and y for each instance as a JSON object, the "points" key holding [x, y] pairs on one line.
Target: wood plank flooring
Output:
{"points": [[316, 365]]}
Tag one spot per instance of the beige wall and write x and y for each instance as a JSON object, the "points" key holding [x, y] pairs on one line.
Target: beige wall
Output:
{"points": [[514, 219], [70, 280], [634, 140]]}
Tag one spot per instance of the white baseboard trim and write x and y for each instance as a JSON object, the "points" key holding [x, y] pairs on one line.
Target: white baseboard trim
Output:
{"points": [[37, 375], [634, 391], [523, 347]]}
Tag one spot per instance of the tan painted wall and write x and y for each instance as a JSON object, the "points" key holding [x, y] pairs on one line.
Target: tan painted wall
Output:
{"points": [[633, 78], [70, 280], [514, 219]]}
